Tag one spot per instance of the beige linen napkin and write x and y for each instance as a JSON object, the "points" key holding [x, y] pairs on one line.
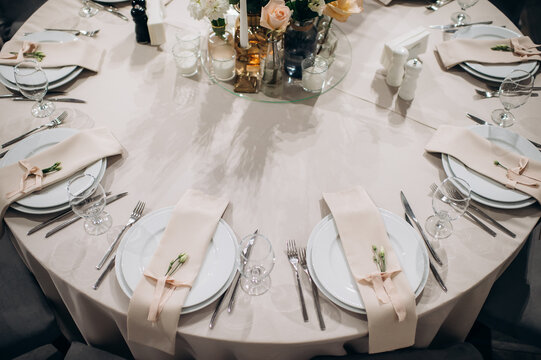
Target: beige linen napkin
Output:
{"points": [[75, 153], [456, 51], [189, 230], [76, 52], [388, 298], [479, 154]]}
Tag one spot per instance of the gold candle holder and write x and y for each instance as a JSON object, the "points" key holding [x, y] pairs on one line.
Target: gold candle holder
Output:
{"points": [[248, 61]]}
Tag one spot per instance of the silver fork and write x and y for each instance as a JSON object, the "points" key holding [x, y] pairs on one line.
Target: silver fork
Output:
{"points": [[315, 293], [293, 257], [89, 33], [434, 187], [53, 123], [135, 215]]}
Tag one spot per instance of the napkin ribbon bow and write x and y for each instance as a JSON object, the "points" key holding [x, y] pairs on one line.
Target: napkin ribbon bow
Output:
{"points": [[524, 48], [516, 175], [162, 293], [26, 186], [26, 48], [385, 290]]}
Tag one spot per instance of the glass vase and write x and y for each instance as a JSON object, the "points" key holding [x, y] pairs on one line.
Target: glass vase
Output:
{"points": [[219, 36], [300, 42], [271, 82]]}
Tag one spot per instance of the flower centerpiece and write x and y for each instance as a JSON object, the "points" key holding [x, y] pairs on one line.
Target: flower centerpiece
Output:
{"points": [[215, 11]]}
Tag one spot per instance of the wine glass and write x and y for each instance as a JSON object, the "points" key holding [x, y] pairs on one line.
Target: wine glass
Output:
{"points": [[449, 202], [256, 263], [87, 199], [87, 10], [514, 91], [461, 17], [32, 82]]}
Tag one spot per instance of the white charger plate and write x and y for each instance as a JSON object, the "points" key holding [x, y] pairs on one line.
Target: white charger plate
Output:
{"points": [[141, 240], [484, 186], [53, 74], [52, 85], [54, 196], [329, 266], [493, 71]]}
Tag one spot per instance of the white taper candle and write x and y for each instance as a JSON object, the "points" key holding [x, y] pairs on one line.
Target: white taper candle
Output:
{"points": [[243, 25]]}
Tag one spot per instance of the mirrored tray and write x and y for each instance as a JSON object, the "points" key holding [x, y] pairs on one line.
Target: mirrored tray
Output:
{"points": [[292, 88]]}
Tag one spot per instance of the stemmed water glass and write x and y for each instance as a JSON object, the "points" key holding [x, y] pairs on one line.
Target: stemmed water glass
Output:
{"points": [[32, 82], [461, 17], [256, 263], [514, 91], [449, 202], [87, 10], [87, 199]]}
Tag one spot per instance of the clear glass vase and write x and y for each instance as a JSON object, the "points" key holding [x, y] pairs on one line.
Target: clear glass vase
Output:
{"points": [[271, 82], [219, 35], [300, 42]]}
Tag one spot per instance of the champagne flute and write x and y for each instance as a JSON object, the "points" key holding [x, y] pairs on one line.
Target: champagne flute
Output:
{"points": [[87, 10], [256, 263], [449, 202], [461, 17], [514, 91], [32, 82], [87, 199]]}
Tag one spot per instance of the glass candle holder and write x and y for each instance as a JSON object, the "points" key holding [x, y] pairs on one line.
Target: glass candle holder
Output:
{"points": [[314, 73], [223, 62], [187, 60], [189, 40]]}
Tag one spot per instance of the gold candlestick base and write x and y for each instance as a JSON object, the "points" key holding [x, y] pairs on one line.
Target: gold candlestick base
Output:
{"points": [[248, 62]]}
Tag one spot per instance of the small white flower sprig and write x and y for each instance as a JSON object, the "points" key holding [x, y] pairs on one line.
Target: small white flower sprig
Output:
{"points": [[379, 258], [175, 264]]}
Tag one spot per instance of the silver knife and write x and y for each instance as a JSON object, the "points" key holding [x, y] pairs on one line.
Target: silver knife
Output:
{"points": [[410, 213], [104, 273], [456, 26], [216, 310], [51, 92], [113, 10], [237, 280], [431, 266], [108, 200], [54, 218], [489, 218], [69, 100], [483, 122]]}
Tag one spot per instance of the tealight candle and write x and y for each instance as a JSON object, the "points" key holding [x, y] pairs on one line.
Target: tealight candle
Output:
{"points": [[314, 73], [186, 61], [223, 62]]}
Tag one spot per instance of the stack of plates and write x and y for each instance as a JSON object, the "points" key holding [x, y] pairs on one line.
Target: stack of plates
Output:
{"points": [[55, 197], [141, 240], [485, 190], [492, 72], [330, 272], [56, 76]]}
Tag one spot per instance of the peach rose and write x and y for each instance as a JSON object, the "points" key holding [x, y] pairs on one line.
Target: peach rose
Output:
{"points": [[342, 9], [275, 15]]}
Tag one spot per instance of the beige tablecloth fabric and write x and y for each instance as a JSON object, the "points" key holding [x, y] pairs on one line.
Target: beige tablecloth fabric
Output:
{"points": [[273, 161]]}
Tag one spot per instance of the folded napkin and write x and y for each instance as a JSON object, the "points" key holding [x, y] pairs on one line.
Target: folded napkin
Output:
{"points": [[77, 52], [456, 51], [387, 295], [479, 154], [75, 153], [157, 301]]}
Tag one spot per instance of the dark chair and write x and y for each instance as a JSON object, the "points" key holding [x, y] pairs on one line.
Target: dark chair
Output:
{"points": [[14, 13], [45, 352], [464, 351], [26, 320], [78, 351]]}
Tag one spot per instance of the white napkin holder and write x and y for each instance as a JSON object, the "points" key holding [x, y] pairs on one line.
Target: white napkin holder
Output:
{"points": [[415, 41], [155, 23]]}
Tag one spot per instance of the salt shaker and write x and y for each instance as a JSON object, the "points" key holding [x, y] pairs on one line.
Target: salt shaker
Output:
{"points": [[396, 70], [413, 69]]}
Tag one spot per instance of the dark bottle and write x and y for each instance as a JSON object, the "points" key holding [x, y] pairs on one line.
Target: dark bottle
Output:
{"points": [[141, 30]]}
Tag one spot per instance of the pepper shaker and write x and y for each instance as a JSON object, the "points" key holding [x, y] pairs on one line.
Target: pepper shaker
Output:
{"points": [[396, 70], [140, 18], [413, 69]]}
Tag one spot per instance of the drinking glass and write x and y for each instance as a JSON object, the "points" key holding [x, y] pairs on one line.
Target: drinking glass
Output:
{"points": [[514, 91], [33, 84], [461, 17], [87, 10], [256, 263], [87, 199], [449, 202]]}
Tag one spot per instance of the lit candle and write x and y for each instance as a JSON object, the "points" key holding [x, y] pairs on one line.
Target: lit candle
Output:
{"points": [[243, 25], [223, 62]]}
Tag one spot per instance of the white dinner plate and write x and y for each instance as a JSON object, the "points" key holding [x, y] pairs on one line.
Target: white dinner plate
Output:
{"points": [[490, 78], [484, 186], [497, 71], [52, 85], [56, 195], [327, 260], [53, 74], [141, 240]]}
